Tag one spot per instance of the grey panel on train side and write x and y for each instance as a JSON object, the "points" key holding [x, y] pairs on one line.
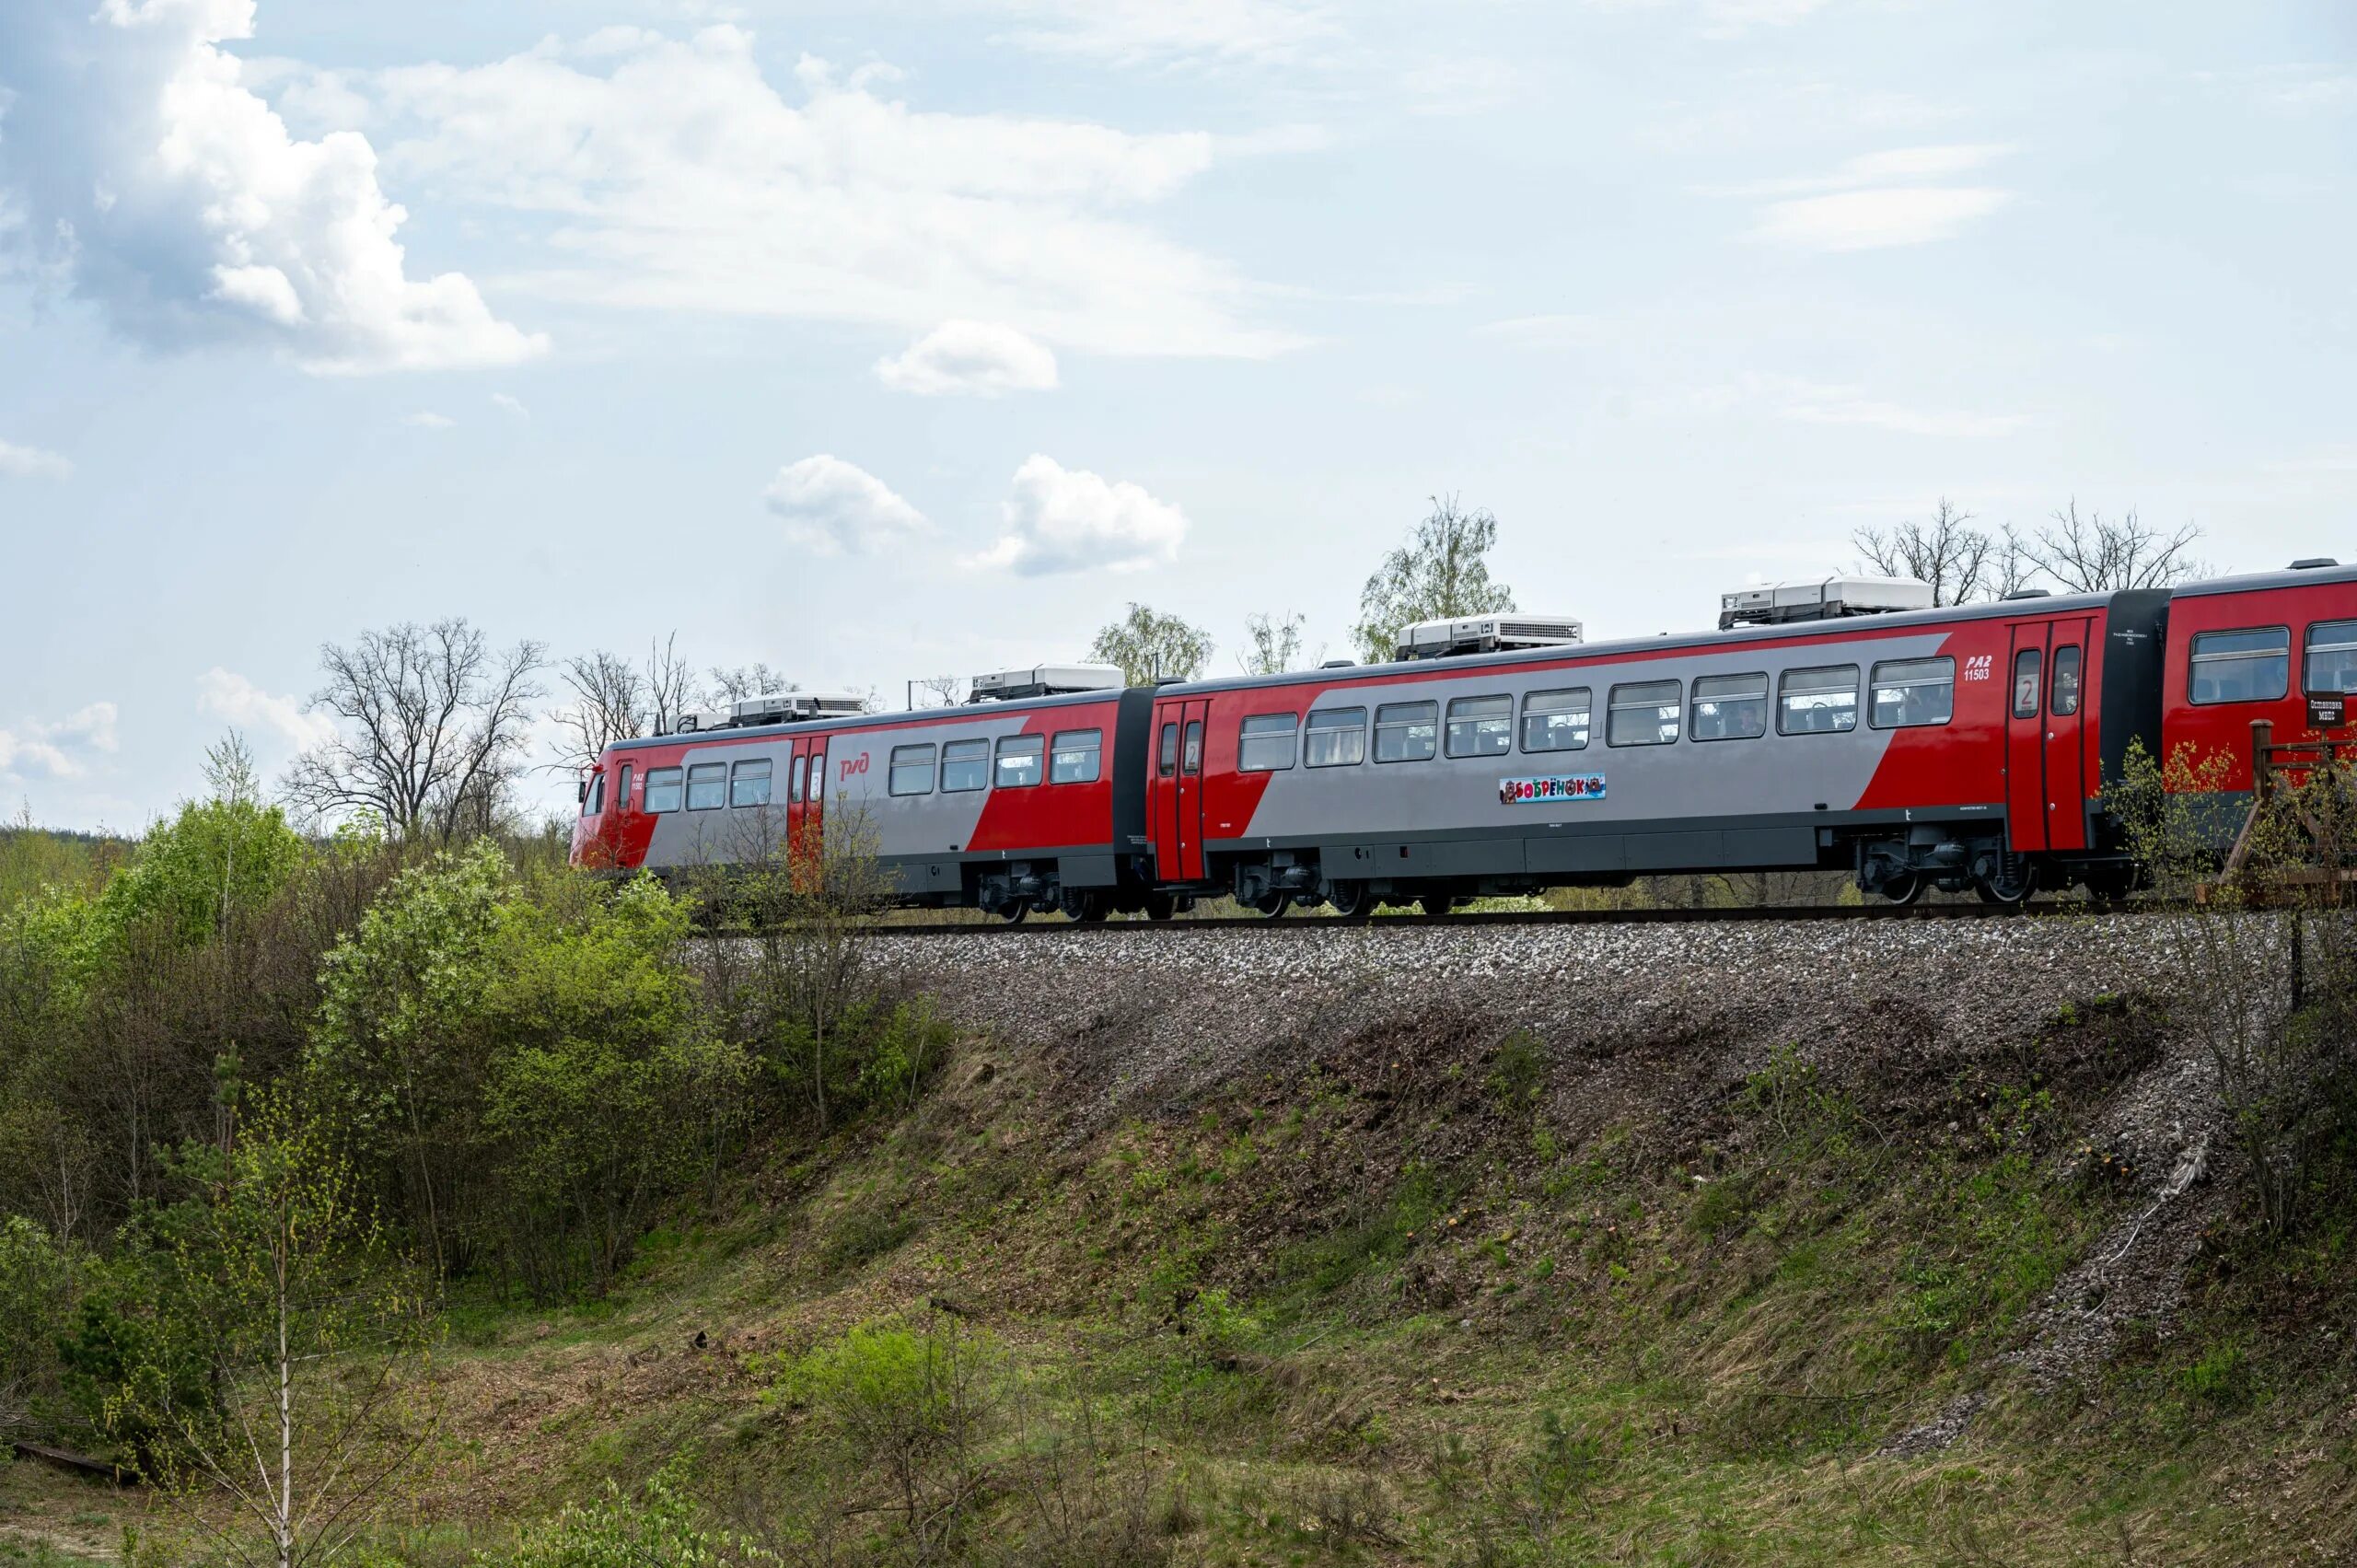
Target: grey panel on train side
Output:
{"points": [[1771, 775]]}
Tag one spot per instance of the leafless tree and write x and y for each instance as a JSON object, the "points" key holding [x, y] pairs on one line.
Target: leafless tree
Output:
{"points": [[671, 687], [1961, 562], [2099, 554], [748, 681], [432, 729], [938, 690], [609, 705]]}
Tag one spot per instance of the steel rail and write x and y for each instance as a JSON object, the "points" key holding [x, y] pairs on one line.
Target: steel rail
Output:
{"points": [[1051, 927]]}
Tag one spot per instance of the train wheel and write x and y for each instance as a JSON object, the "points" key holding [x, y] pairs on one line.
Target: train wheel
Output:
{"points": [[2109, 884], [1087, 909], [1904, 890], [1272, 906], [1435, 903], [1016, 912], [1350, 901], [1161, 906], [2015, 880]]}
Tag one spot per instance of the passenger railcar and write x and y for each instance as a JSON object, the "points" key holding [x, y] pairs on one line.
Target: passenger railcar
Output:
{"points": [[1009, 807], [1956, 747]]}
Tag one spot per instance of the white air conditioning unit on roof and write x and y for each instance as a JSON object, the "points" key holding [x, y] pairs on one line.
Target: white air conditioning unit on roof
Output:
{"points": [[1045, 681], [1486, 634], [1822, 598]]}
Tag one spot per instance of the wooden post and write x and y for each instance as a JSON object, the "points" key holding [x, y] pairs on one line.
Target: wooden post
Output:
{"points": [[2262, 768]]}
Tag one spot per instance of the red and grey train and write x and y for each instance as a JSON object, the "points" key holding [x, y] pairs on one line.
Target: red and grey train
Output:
{"points": [[1957, 747]]}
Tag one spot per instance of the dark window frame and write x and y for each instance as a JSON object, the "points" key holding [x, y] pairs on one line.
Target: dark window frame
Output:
{"points": [[1785, 695], [1095, 748], [1875, 678], [1430, 705], [1694, 701], [720, 783], [743, 772], [894, 768], [971, 748], [2195, 658], [1246, 736], [1191, 750], [1613, 704], [2055, 685], [678, 781], [2036, 659], [2308, 651], [1356, 728], [1586, 710], [1449, 723], [1166, 750], [1016, 746]]}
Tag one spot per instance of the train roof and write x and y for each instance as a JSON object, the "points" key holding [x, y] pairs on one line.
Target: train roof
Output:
{"points": [[2260, 582], [877, 721]]}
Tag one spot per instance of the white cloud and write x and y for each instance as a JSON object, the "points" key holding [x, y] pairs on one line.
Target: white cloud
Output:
{"points": [[426, 419], [1132, 32], [671, 175], [149, 174], [228, 695], [982, 358], [833, 507], [1880, 199], [56, 748], [32, 463], [1072, 520], [513, 404]]}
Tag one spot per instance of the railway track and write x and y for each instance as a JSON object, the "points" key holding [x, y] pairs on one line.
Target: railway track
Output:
{"points": [[1819, 912]]}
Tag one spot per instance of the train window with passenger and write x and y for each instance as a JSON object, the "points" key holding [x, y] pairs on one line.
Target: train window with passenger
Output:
{"points": [[1191, 758], [707, 787], [663, 789], [1730, 707], [964, 766], [1645, 712], [1407, 732], [2249, 666], [748, 784], [1074, 758], [2331, 659], [1169, 749], [1556, 721], [2026, 665], [2063, 700], [1018, 761], [1336, 738], [1265, 743], [1480, 727], [911, 770], [1821, 700], [1912, 692]]}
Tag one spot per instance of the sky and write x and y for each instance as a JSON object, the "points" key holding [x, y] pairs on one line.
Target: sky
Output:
{"points": [[907, 338]]}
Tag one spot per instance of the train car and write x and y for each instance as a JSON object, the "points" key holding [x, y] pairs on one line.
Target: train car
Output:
{"points": [[1029, 804], [1954, 748], [2235, 645]]}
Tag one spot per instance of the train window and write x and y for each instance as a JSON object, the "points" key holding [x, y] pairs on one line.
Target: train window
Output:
{"points": [[1822, 700], [2252, 665], [622, 792], [1265, 743], [1911, 692], [2063, 700], [818, 776], [1169, 749], [1555, 721], [964, 766], [1407, 732], [1074, 757], [794, 781], [1018, 761], [911, 770], [748, 784], [2331, 662], [1336, 738], [1480, 727], [1730, 707], [1645, 712], [592, 799], [707, 787], [1190, 757], [2026, 665], [663, 789]]}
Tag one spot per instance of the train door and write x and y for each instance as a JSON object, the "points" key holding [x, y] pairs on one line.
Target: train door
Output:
{"points": [[798, 791], [2065, 755], [2025, 796], [1178, 790], [814, 804]]}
